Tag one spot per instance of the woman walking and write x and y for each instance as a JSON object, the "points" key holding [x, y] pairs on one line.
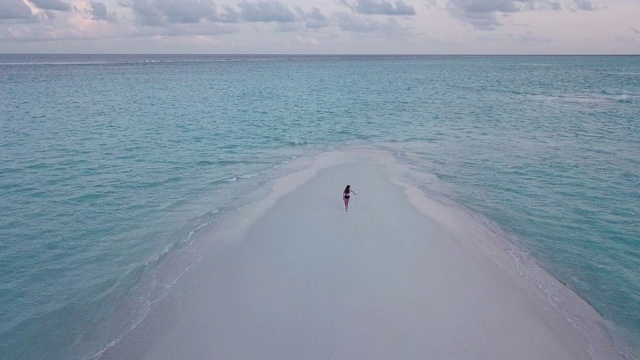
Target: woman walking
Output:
{"points": [[346, 195]]}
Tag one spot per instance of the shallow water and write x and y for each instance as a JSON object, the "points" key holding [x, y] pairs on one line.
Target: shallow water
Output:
{"points": [[108, 164]]}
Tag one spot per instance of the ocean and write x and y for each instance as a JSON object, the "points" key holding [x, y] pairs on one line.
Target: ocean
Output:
{"points": [[112, 166]]}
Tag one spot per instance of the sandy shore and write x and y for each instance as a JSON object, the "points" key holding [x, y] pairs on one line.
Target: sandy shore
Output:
{"points": [[300, 278]]}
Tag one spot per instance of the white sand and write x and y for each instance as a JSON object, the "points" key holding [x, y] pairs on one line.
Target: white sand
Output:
{"points": [[300, 278]]}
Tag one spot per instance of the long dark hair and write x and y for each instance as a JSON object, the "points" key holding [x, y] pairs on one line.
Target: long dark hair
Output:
{"points": [[347, 188]]}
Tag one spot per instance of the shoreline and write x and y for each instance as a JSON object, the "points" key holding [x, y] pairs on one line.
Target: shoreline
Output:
{"points": [[189, 330]]}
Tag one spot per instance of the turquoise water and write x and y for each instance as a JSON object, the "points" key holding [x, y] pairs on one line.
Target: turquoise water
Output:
{"points": [[110, 165]]}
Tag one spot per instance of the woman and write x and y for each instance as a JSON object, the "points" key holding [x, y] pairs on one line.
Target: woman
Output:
{"points": [[346, 195]]}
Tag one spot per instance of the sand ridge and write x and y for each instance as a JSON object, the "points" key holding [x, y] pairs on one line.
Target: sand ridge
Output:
{"points": [[308, 280]]}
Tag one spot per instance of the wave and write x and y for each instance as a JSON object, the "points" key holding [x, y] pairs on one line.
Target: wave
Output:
{"points": [[172, 262], [605, 342]]}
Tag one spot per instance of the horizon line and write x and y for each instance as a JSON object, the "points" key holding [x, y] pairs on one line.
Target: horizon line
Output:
{"points": [[313, 54]]}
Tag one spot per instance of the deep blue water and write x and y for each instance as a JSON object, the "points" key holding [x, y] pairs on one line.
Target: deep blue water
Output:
{"points": [[110, 163]]}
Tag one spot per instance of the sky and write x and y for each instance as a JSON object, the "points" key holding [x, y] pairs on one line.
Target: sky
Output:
{"points": [[321, 26]]}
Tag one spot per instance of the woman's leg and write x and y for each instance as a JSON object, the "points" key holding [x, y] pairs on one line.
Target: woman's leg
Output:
{"points": [[346, 204]]}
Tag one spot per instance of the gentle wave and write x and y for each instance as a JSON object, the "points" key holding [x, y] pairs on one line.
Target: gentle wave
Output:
{"points": [[104, 168]]}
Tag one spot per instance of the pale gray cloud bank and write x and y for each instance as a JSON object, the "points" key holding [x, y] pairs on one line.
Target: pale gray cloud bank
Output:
{"points": [[315, 19], [266, 11], [482, 14], [14, 10], [585, 5], [380, 7], [162, 12], [335, 24], [99, 12], [51, 5]]}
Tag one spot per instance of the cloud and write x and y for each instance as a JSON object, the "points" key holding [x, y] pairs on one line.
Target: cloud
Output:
{"points": [[635, 30], [316, 19], [266, 11], [163, 12], [347, 22], [381, 7], [482, 13], [186, 11], [14, 10], [51, 5], [584, 5], [479, 13], [229, 16], [313, 20], [147, 14], [99, 12]]}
